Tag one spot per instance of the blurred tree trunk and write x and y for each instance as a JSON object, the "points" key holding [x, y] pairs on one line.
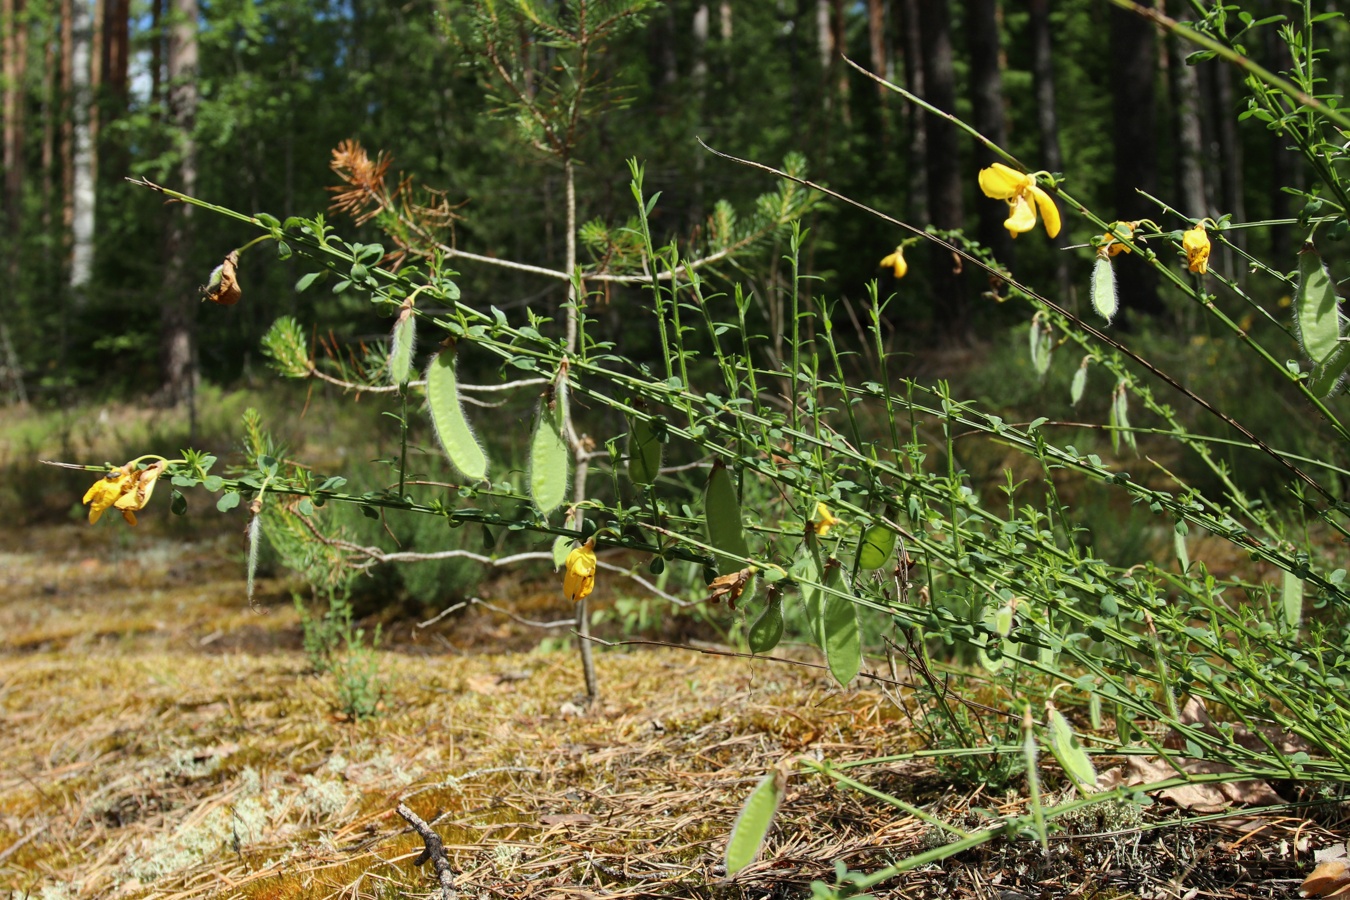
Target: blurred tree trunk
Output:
{"points": [[914, 119], [14, 50], [156, 55], [177, 305], [1284, 168], [116, 37], [1047, 123], [50, 114], [839, 38], [67, 125], [82, 162], [699, 77], [983, 21], [1134, 51], [943, 162], [1230, 199], [1184, 82], [878, 49]]}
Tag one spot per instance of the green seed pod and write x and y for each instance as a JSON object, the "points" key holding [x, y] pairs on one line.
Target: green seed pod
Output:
{"points": [[839, 624], [549, 456], [644, 451], [657, 565], [753, 824], [447, 414], [1315, 306], [878, 542], [1292, 601], [1079, 382], [722, 517], [1104, 298], [401, 344], [1070, 753], [767, 630], [1042, 345], [806, 572]]}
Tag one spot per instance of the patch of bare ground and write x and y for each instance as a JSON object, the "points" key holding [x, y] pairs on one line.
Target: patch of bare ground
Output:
{"points": [[147, 750]]}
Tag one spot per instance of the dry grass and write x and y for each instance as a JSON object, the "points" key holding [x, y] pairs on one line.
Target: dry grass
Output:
{"points": [[160, 739]]}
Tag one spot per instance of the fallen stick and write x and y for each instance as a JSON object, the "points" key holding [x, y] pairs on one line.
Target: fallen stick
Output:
{"points": [[435, 851]]}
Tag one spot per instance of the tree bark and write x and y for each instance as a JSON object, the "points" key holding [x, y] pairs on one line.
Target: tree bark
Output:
{"points": [[1047, 124], [1184, 83], [83, 122], [915, 119], [1231, 199], [1133, 49], [986, 98], [942, 160], [176, 338], [15, 54]]}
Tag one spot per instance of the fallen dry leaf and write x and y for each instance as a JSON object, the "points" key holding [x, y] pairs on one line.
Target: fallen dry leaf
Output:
{"points": [[1331, 878]]}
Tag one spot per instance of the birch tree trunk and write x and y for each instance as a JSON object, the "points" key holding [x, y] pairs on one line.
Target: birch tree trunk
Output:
{"points": [[82, 149]]}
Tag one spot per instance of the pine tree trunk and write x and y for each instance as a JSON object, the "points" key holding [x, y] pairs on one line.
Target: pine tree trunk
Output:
{"points": [[50, 114], [1047, 123], [986, 98], [176, 344], [1184, 83], [15, 53], [942, 160], [83, 123], [1134, 50], [915, 120]]}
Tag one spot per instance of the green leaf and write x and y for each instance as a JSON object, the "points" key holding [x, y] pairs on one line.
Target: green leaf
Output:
{"points": [[228, 501], [306, 281], [644, 451], [178, 503], [753, 823], [1316, 315], [447, 415], [1070, 753]]}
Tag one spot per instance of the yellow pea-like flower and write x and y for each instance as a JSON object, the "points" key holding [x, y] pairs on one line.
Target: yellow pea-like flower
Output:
{"points": [[1024, 199], [579, 572], [1196, 244], [896, 262]]}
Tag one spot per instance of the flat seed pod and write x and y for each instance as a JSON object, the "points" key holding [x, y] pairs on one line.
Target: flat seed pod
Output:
{"points": [[807, 569], [1078, 384], [753, 823], [1104, 298], [767, 630], [1326, 376], [548, 459], [722, 519], [1292, 601], [644, 451], [1316, 315], [401, 344], [447, 414], [1122, 410], [878, 542], [1070, 753], [562, 546], [839, 623]]}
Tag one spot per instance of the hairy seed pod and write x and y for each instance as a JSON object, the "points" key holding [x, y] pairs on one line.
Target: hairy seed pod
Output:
{"points": [[548, 455], [402, 342], [752, 825], [1104, 298], [447, 414]]}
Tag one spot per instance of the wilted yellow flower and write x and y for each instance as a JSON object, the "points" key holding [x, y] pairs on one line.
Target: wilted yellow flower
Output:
{"points": [[1196, 244], [126, 488], [1111, 244], [106, 491], [824, 520], [579, 572], [1019, 189], [896, 262]]}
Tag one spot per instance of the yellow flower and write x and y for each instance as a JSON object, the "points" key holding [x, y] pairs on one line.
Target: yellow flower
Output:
{"points": [[896, 262], [126, 488], [1196, 244], [1111, 244], [579, 574], [138, 491], [1020, 190], [106, 491], [824, 520]]}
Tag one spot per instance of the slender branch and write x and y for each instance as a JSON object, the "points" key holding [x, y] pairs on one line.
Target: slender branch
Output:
{"points": [[435, 851]]}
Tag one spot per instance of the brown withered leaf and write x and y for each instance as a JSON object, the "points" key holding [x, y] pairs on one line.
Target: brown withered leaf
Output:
{"points": [[223, 288], [1331, 878], [730, 587], [1200, 798]]}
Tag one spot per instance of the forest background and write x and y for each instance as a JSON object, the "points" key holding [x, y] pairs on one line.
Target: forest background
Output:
{"points": [[243, 102]]}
